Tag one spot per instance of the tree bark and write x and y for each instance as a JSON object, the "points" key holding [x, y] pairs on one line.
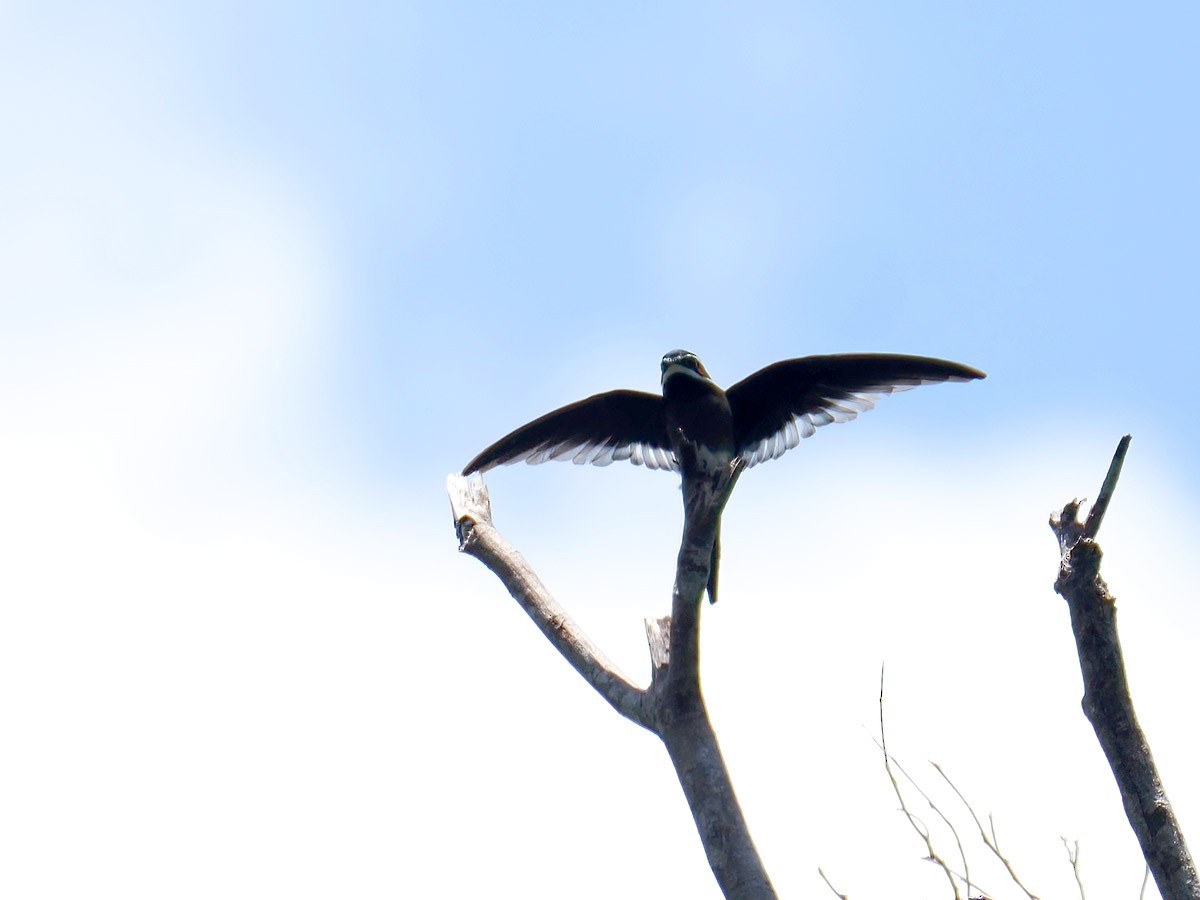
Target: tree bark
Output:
{"points": [[673, 705], [1106, 700]]}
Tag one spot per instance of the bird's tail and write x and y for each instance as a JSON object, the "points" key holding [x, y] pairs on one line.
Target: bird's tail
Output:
{"points": [[713, 565]]}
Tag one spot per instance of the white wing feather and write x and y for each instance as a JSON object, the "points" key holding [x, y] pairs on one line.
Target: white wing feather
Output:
{"points": [[806, 424]]}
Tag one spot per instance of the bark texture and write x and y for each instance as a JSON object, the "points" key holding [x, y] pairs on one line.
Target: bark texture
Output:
{"points": [[1106, 699], [672, 706]]}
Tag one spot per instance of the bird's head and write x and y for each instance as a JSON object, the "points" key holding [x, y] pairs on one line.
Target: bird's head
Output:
{"points": [[683, 362]]}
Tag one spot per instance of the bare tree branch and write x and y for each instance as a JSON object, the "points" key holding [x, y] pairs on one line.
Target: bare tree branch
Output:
{"points": [[991, 842], [477, 537], [1106, 700], [1096, 517], [918, 826], [679, 715], [1066, 525], [1073, 859], [673, 706], [836, 892]]}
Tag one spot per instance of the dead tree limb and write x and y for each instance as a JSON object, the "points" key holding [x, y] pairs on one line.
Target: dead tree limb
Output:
{"points": [[672, 706], [477, 537], [1106, 700]]}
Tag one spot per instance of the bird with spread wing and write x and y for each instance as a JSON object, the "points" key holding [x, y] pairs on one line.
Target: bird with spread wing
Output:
{"points": [[696, 427]]}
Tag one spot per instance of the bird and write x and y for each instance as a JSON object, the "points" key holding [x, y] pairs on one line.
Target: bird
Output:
{"points": [[696, 427]]}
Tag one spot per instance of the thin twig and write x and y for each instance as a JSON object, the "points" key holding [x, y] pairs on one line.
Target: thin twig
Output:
{"points": [[838, 893], [963, 876], [918, 826], [1066, 525], [1100, 507], [1073, 857], [992, 843]]}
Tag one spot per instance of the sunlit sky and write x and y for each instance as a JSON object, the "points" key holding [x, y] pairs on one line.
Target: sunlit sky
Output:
{"points": [[268, 274]]}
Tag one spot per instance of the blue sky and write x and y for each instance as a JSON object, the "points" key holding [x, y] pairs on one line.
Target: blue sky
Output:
{"points": [[268, 274]]}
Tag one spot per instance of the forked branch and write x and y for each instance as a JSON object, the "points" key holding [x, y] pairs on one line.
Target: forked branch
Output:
{"points": [[1106, 700], [672, 706]]}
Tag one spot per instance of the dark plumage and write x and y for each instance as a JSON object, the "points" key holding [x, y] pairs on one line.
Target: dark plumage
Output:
{"points": [[759, 418]]}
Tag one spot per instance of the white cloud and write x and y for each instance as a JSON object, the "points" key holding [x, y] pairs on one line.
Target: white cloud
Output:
{"points": [[156, 280]]}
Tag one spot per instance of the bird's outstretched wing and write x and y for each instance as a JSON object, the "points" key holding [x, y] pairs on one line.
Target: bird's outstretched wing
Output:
{"points": [[599, 430], [776, 407]]}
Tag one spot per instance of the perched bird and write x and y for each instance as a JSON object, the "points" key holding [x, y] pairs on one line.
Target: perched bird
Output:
{"points": [[696, 427]]}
